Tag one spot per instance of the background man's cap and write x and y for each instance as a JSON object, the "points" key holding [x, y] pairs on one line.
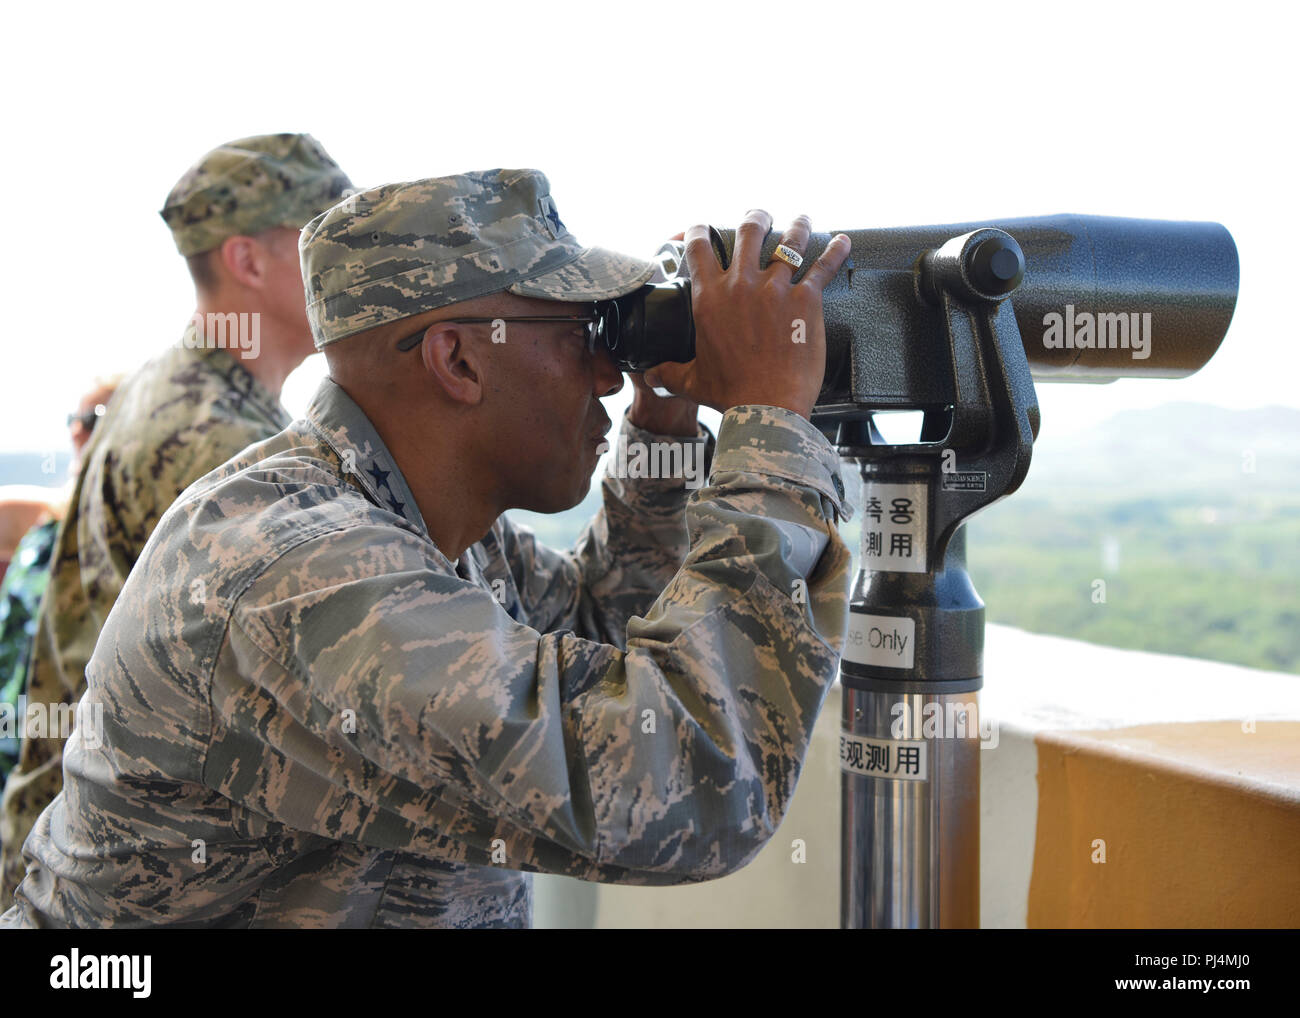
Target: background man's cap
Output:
{"points": [[402, 249], [252, 185]]}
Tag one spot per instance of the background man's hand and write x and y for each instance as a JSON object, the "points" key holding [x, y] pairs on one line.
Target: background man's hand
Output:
{"points": [[759, 338]]}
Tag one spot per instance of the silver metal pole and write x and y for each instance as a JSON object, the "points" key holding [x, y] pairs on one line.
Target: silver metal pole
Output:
{"points": [[911, 844], [910, 735]]}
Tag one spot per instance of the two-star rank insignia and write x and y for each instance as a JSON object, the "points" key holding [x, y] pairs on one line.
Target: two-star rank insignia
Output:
{"points": [[546, 204], [380, 476], [381, 482]]}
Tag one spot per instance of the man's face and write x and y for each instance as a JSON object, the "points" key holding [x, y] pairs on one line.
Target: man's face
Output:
{"points": [[80, 431], [542, 395]]}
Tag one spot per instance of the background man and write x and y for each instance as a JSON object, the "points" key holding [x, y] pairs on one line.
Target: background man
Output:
{"points": [[23, 584], [341, 689], [235, 217]]}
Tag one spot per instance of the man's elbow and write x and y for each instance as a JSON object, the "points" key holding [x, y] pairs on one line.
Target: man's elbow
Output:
{"points": [[724, 847]]}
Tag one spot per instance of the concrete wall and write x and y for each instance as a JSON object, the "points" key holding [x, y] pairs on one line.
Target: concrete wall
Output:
{"points": [[1053, 700]]}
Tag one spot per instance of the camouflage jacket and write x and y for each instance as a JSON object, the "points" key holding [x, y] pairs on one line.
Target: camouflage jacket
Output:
{"points": [[174, 420], [311, 717]]}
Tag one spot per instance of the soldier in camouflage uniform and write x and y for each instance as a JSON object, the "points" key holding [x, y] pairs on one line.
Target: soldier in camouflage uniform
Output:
{"points": [[24, 582], [235, 216], [341, 689]]}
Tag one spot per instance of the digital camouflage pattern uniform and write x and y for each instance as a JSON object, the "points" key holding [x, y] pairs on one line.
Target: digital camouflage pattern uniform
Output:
{"points": [[177, 418], [313, 718]]}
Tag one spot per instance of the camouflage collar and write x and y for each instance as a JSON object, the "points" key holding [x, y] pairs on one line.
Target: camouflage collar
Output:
{"points": [[367, 462], [365, 459], [241, 382]]}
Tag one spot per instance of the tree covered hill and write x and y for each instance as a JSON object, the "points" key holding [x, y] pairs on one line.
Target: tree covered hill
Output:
{"points": [[1188, 513]]}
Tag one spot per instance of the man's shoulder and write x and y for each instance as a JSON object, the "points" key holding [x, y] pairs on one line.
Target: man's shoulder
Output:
{"points": [[174, 420], [257, 546], [288, 483], [286, 493], [286, 549], [175, 378], [199, 399]]}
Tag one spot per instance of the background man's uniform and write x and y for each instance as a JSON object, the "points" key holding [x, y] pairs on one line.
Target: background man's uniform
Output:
{"points": [[173, 421], [345, 728]]}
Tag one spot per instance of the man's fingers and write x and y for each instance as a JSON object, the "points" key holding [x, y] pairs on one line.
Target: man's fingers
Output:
{"points": [[796, 238], [640, 381], [701, 262], [823, 270], [670, 375], [751, 233]]}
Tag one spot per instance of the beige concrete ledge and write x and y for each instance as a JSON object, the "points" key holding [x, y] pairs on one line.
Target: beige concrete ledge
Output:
{"points": [[1193, 824]]}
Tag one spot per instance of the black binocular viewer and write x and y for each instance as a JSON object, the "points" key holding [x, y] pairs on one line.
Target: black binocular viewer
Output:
{"points": [[959, 322], [1094, 299]]}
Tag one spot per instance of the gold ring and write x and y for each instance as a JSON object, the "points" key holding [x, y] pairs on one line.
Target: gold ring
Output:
{"points": [[788, 255]]}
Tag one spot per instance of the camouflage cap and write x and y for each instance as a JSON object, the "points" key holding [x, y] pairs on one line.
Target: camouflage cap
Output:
{"points": [[402, 249], [251, 185]]}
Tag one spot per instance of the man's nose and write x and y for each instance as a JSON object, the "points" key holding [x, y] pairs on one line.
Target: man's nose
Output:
{"points": [[609, 379]]}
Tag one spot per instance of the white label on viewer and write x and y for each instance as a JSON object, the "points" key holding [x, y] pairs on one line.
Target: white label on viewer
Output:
{"points": [[886, 641], [894, 531], [883, 758]]}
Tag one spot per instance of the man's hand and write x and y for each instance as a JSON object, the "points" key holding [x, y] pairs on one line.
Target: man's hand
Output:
{"points": [[660, 415], [759, 338]]}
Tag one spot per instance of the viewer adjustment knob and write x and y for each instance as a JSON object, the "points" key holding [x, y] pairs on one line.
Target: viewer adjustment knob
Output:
{"points": [[996, 265]]}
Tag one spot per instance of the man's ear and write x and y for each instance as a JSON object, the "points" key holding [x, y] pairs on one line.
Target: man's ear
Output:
{"points": [[246, 260], [449, 358]]}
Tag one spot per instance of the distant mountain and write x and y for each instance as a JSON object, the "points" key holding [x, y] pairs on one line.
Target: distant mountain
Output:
{"points": [[1173, 447]]}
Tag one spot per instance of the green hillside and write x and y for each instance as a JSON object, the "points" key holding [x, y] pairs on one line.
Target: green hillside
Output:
{"points": [[1189, 513], [1208, 579]]}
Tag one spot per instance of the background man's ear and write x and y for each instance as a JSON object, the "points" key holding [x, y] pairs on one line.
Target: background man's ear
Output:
{"points": [[244, 259]]}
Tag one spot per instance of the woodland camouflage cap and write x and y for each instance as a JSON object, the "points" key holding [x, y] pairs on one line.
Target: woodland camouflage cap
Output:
{"points": [[252, 185]]}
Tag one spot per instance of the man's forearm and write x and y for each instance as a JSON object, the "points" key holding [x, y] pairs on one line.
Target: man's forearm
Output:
{"points": [[638, 540]]}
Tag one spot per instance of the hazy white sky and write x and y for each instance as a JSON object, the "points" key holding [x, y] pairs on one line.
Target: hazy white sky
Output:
{"points": [[646, 119]]}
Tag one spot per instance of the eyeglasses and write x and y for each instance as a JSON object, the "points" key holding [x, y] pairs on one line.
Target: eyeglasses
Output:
{"points": [[88, 419], [602, 324]]}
